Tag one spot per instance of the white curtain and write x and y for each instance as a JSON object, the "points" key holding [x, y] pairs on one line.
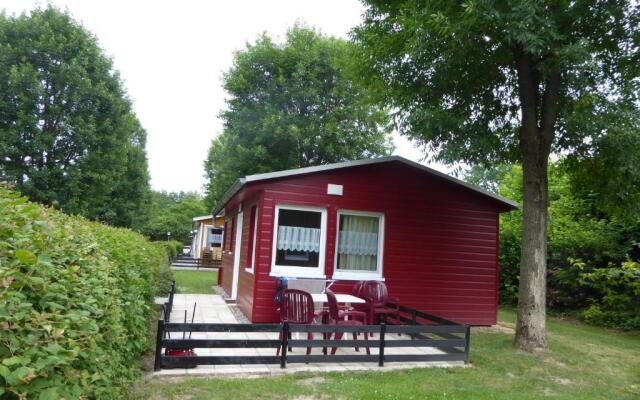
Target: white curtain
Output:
{"points": [[358, 242], [297, 238]]}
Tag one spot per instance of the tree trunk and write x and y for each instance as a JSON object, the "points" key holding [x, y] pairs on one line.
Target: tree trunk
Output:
{"points": [[539, 114], [531, 330]]}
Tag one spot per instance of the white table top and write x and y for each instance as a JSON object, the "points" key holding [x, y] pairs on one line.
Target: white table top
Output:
{"points": [[341, 298]]}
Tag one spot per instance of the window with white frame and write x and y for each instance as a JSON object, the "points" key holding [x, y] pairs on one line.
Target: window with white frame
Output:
{"points": [[299, 241], [359, 244]]}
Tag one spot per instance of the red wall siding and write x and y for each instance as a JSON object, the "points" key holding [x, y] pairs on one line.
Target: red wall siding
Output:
{"points": [[441, 239]]}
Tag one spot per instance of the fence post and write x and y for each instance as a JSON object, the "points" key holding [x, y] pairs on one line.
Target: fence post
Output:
{"points": [[284, 343], [467, 336], [159, 339], [169, 303], [383, 329]]}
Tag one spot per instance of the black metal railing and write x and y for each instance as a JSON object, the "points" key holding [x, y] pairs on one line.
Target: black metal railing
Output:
{"points": [[188, 262], [420, 330], [167, 307]]}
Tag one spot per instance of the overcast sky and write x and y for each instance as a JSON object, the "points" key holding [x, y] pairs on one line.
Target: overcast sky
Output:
{"points": [[171, 56]]}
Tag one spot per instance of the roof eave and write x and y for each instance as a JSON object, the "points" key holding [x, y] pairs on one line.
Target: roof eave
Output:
{"points": [[239, 183], [510, 203]]}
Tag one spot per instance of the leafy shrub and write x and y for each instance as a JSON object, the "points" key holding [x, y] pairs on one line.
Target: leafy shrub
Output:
{"points": [[171, 247], [176, 247], [581, 239], [75, 302], [618, 300]]}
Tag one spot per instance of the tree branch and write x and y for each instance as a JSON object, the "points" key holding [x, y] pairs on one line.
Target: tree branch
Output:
{"points": [[550, 106], [528, 91]]}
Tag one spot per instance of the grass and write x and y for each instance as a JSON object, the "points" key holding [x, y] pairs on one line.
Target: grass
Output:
{"points": [[583, 362], [201, 282]]}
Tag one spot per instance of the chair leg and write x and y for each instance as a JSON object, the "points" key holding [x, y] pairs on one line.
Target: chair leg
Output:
{"points": [[338, 337], [372, 321], [290, 349], [355, 337]]}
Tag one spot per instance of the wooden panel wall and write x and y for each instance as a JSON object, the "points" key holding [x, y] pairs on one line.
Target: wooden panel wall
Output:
{"points": [[441, 239]]}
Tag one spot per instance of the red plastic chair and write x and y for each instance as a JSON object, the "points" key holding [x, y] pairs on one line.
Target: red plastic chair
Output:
{"points": [[297, 307], [337, 317], [377, 301], [357, 288]]}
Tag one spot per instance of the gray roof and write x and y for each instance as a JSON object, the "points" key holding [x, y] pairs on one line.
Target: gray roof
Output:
{"points": [[239, 183]]}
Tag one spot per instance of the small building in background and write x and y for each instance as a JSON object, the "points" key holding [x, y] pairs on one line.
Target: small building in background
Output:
{"points": [[207, 237], [432, 238]]}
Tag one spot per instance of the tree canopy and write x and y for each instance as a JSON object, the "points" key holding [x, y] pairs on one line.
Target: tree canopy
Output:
{"points": [[481, 81], [449, 69], [295, 104], [173, 212], [68, 135]]}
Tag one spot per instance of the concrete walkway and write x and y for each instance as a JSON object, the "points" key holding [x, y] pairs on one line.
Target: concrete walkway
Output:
{"points": [[213, 309]]}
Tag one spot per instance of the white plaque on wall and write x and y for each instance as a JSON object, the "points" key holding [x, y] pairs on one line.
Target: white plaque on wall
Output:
{"points": [[335, 190]]}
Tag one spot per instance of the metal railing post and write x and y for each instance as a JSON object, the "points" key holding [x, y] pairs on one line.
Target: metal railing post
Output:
{"points": [[467, 343], [383, 329], [159, 339], [169, 303], [284, 343]]}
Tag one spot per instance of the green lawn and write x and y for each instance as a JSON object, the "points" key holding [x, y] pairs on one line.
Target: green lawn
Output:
{"points": [[196, 281], [583, 363]]}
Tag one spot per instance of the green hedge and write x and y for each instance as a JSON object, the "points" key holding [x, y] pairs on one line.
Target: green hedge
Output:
{"points": [[172, 247], [75, 302]]}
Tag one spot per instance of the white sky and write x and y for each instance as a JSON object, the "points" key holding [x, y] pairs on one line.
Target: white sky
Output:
{"points": [[171, 56]]}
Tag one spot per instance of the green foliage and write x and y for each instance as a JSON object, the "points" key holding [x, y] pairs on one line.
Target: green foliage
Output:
{"points": [[450, 69], [488, 178], [618, 295], [173, 212], [75, 302], [611, 174], [68, 135], [583, 239], [292, 105], [172, 247]]}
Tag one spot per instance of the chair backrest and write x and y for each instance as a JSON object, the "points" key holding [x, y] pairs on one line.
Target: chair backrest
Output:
{"points": [[357, 288], [375, 291], [333, 305], [296, 307]]}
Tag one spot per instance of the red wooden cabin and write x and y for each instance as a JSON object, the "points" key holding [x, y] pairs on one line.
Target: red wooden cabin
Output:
{"points": [[432, 238]]}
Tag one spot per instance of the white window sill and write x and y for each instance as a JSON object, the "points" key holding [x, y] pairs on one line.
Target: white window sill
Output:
{"points": [[354, 276], [285, 274]]}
